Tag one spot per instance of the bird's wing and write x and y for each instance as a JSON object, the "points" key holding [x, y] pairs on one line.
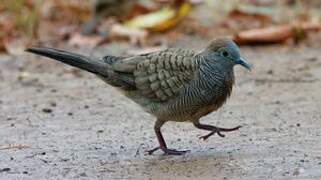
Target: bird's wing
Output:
{"points": [[161, 75]]}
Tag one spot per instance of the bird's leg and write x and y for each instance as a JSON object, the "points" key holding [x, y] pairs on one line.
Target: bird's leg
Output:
{"points": [[162, 143], [214, 130]]}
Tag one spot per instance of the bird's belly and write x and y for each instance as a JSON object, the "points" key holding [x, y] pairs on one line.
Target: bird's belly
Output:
{"points": [[198, 110], [181, 109], [204, 111], [181, 113]]}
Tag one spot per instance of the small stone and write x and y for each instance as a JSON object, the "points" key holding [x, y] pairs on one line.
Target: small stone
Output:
{"points": [[64, 159], [47, 110], [53, 90], [270, 71], [5, 170], [25, 172], [296, 172], [312, 59], [70, 114], [100, 131], [274, 129], [298, 124], [53, 104], [23, 75], [277, 102]]}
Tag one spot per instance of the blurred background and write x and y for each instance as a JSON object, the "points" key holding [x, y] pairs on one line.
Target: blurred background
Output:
{"points": [[58, 122], [154, 22]]}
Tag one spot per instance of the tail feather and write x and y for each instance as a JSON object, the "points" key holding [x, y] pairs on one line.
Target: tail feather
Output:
{"points": [[83, 62], [101, 68]]}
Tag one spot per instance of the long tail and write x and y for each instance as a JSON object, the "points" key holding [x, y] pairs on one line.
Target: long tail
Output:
{"points": [[86, 63]]}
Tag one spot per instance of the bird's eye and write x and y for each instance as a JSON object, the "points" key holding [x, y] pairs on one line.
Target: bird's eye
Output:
{"points": [[225, 53]]}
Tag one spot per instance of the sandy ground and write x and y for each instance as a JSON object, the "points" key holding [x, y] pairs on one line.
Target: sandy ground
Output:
{"points": [[73, 126]]}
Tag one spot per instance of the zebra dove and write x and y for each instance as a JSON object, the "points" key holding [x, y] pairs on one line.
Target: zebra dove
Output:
{"points": [[172, 85]]}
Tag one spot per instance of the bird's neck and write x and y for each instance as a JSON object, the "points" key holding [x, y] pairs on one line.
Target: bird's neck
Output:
{"points": [[218, 71], [217, 79]]}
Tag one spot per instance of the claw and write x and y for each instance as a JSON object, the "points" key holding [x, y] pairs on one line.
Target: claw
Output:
{"points": [[218, 132], [168, 151], [175, 152], [150, 152]]}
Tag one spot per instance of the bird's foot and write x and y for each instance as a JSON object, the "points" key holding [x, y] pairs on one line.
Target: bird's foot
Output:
{"points": [[219, 131], [167, 151]]}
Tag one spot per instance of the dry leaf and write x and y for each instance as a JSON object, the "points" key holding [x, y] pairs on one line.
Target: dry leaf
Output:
{"points": [[180, 14], [2, 46], [239, 14], [275, 34], [133, 34], [160, 20], [138, 9], [77, 39], [152, 19], [16, 46], [15, 146]]}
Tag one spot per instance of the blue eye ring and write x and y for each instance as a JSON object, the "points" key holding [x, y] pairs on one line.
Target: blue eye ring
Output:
{"points": [[225, 53]]}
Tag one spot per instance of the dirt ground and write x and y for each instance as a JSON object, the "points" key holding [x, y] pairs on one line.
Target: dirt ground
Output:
{"points": [[70, 125]]}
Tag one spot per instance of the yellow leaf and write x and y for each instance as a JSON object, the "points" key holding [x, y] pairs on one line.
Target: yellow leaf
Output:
{"points": [[160, 20], [169, 23]]}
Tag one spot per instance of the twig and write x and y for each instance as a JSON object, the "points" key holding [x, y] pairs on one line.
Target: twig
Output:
{"points": [[15, 146]]}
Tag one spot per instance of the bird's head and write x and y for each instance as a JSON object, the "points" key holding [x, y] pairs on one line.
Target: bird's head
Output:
{"points": [[225, 51]]}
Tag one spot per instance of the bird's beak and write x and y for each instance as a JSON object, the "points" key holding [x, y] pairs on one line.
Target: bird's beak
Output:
{"points": [[243, 63]]}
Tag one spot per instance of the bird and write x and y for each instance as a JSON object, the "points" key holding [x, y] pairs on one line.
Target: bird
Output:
{"points": [[180, 85]]}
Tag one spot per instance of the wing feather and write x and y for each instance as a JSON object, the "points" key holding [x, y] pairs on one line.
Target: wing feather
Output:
{"points": [[164, 74]]}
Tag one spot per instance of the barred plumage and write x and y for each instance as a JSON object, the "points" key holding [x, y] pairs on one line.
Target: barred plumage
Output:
{"points": [[172, 85]]}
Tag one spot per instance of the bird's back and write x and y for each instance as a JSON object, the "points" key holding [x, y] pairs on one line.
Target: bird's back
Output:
{"points": [[168, 84], [158, 76]]}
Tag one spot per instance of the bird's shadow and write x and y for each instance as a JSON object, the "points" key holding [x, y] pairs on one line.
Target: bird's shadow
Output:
{"points": [[205, 164], [195, 164]]}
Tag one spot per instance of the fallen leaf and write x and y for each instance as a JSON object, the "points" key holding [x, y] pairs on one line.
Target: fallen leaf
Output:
{"points": [[15, 146], [160, 20], [17, 45], [180, 14], [275, 34], [241, 19], [138, 9], [79, 11], [2, 46], [77, 39], [152, 19], [133, 34], [238, 14]]}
